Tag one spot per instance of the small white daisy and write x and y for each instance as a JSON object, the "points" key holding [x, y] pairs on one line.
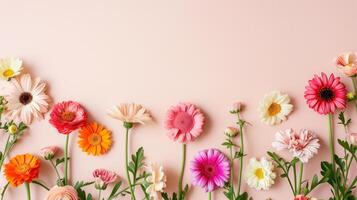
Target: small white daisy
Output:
{"points": [[10, 67], [259, 174], [274, 108]]}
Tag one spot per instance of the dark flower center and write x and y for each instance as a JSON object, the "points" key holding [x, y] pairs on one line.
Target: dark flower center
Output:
{"points": [[326, 94], [68, 116], [209, 170], [25, 98]]}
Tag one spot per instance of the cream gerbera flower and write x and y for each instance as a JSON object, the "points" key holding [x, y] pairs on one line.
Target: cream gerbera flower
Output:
{"points": [[157, 181], [130, 113], [26, 99], [259, 174], [10, 67], [274, 108]]}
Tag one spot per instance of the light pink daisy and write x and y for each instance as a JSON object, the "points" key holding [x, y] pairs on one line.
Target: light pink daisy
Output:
{"points": [[184, 122], [347, 63], [302, 145], [103, 177], [210, 169], [325, 94]]}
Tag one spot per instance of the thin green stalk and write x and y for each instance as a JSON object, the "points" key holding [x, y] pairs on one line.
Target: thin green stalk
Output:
{"points": [[300, 177], [209, 195], [66, 161], [4, 190], [5, 151], [182, 171], [55, 168], [41, 184], [100, 193], [355, 89], [27, 185], [242, 154], [331, 141], [232, 170], [127, 163], [295, 180]]}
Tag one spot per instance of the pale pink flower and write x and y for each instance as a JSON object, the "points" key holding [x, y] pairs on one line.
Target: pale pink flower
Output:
{"points": [[184, 122], [130, 113], [103, 177], [231, 131], [48, 152], [347, 63], [66, 192], [353, 138], [302, 145], [301, 197], [237, 106]]}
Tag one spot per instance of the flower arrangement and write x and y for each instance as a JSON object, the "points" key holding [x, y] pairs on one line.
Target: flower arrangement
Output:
{"points": [[211, 169]]}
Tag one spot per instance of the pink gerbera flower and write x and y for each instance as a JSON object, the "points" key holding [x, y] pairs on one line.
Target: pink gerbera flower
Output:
{"points": [[184, 122], [302, 145], [325, 95], [68, 116], [210, 169]]}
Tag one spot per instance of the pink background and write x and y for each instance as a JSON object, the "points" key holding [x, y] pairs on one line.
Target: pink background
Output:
{"points": [[159, 53]]}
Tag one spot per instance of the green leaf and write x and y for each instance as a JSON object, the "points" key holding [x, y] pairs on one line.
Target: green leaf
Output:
{"points": [[59, 161], [115, 189], [137, 161]]}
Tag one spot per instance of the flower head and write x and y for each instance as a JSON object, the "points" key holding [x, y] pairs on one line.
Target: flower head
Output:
{"points": [[351, 96], [130, 113], [49, 152], [274, 108], [10, 67], [68, 116], [259, 174], [237, 107], [62, 193], [156, 179], [103, 177], [26, 99], [301, 197], [231, 131], [325, 95], [22, 168], [353, 138], [347, 63], [12, 129], [184, 122], [210, 169], [302, 145], [94, 139]]}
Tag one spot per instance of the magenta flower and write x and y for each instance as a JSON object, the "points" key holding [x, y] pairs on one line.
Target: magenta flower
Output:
{"points": [[325, 95], [210, 169], [184, 122], [103, 177]]}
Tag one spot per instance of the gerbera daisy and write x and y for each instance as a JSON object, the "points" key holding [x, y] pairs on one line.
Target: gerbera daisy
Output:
{"points": [[325, 95], [22, 168], [259, 174], [94, 139], [184, 122], [347, 63], [130, 113], [156, 179], [10, 67], [210, 169], [274, 108], [68, 116], [26, 99], [302, 145]]}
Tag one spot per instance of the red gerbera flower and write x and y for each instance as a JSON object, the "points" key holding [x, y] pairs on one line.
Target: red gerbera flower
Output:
{"points": [[325, 94]]}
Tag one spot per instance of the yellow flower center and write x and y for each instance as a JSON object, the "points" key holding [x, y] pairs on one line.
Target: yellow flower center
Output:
{"points": [[12, 129], [259, 173], [68, 116], [94, 139], [22, 168], [274, 109], [8, 73]]}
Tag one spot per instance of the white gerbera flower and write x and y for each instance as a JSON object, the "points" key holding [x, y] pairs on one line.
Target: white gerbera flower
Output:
{"points": [[274, 108], [26, 99], [130, 113], [10, 67], [259, 174], [157, 181]]}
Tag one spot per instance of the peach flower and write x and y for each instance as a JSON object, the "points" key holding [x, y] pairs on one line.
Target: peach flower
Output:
{"points": [[66, 192], [347, 63]]}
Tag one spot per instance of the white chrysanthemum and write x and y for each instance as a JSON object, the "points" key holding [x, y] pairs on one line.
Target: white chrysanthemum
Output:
{"points": [[157, 181], [10, 67], [131, 113], [259, 174], [274, 108], [26, 99]]}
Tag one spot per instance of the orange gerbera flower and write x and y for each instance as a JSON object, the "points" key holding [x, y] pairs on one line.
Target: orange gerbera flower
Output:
{"points": [[22, 168], [94, 139]]}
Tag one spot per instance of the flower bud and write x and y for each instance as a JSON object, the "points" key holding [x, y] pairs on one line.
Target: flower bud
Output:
{"points": [[351, 96], [353, 138], [12, 129], [231, 131], [237, 106], [48, 153]]}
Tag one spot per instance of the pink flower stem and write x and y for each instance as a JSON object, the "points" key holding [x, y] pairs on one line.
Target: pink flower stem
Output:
{"points": [[209, 195], [182, 171], [232, 170], [27, 185], [128, 126], [300, 177], [331, 141], [241, 124], [66, 161], [55, 168], [355, 89]]}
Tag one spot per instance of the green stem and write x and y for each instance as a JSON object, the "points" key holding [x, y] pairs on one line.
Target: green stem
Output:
{"points": [[209, 195], [300, 177], [100, 193], [27, 185], [241, 154], [5, 151], [182, 171], [232, 170], [295, 180], [55, 168], [355, 89], [66, 161], [331, 141], [127, 163], [4, 190], [41, 184]]}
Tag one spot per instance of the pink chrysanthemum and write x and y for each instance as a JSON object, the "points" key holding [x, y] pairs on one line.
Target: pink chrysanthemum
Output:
{"points": [[68, 116], [184, 122], [210, 169], [302, 145], [103, 177], [325, 95]]}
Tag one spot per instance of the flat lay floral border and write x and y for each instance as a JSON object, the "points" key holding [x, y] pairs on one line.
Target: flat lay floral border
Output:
{"points": [[213, 169]]}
